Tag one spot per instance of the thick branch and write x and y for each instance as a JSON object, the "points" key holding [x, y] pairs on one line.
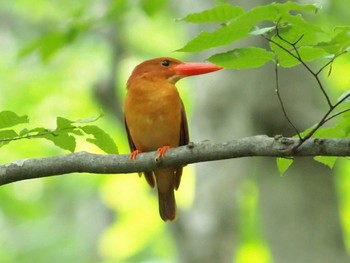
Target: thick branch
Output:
{"points": [[192, 153]]}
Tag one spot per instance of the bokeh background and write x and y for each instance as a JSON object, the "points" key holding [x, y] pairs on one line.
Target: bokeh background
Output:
{"points": [[72, 59]]}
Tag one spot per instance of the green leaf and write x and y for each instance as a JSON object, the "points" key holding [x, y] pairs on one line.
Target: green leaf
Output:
{"points": [[9, 119], [220, 13], [34, 132], [63, 124], [222, 36], [241, 58], [6, 136], [101, 139], [307, 53], [62, 140], [326, 160], [339, 43], [283, 164]]}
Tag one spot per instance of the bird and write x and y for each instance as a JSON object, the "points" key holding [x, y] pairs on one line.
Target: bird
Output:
{"points": [[155, 120]]}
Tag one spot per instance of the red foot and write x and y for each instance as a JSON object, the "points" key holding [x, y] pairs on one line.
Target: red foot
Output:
{"points": [[161, 152], [134, 154]]}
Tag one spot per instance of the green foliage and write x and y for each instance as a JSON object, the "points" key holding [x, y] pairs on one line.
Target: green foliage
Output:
{"points": [[63, 136], [241, 58], [220, 13], [283, 164], [293, 40], [286, 26]]}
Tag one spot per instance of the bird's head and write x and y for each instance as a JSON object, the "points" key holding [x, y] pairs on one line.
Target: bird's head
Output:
{"points": [[170, 69]]}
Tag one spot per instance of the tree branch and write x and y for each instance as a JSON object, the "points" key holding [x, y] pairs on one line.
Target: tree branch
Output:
{"points": [[194, 152]]}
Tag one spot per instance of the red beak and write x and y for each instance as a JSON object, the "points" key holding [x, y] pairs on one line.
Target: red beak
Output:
{"points": [[190, 69]]}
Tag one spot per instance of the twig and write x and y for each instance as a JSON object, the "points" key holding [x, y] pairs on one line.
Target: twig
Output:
{"points": [[315, 74], [281, 101]]}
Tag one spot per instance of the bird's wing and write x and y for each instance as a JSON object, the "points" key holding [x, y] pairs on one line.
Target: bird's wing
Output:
{"points": [[148, 175], [184, 140], [184, 135], [131, 143]]}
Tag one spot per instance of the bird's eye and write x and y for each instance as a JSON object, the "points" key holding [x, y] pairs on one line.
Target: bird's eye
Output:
{"points": [[165, 63]]}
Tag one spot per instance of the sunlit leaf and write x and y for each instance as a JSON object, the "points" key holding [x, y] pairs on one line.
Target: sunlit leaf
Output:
{"points": [[101, 139], [283, 164], [9, 119], [242, 58], [220, 13]]}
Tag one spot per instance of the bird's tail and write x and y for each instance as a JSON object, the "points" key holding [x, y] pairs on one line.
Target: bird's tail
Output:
{"points": [[166, 184], [167, 205]]}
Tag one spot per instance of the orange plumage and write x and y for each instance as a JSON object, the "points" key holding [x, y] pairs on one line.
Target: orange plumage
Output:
{"points": [[155, 119]]}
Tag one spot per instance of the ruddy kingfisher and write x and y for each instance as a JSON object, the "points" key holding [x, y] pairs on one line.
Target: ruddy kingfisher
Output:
{"points": [[155, 119]]}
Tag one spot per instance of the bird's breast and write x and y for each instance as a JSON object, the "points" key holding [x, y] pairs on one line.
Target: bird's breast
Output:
{"points": [[153, 116]]}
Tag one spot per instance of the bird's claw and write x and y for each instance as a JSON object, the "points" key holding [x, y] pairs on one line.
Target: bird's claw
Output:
{"points": [[161, 152], [134, 154]]}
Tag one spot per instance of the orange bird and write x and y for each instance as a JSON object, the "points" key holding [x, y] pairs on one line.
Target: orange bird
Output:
{"points": [[155, 119]]}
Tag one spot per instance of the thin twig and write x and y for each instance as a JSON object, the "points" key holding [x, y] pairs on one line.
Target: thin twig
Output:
{"points": [[281, 101]]}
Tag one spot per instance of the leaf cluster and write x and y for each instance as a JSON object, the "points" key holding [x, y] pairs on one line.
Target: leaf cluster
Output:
{"points": [[63, 136], [293, 40], [283, 23]]}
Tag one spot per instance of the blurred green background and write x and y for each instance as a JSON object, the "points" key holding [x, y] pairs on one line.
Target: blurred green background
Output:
{"points": [[72, 59]]}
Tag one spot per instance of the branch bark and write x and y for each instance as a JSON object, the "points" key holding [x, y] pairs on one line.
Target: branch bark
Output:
{"points": [[260, 145]]}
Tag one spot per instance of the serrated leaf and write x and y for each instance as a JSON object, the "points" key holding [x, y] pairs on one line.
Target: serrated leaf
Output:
{"points": [[345, 97], [283, 164], [219, 13], [62, 140], [326, 160], [101, 139], [241, 58], [9, 119]]}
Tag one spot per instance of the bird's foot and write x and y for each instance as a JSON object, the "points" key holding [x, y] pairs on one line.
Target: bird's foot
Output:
{"points": [[134, 154], [161, 152]]}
